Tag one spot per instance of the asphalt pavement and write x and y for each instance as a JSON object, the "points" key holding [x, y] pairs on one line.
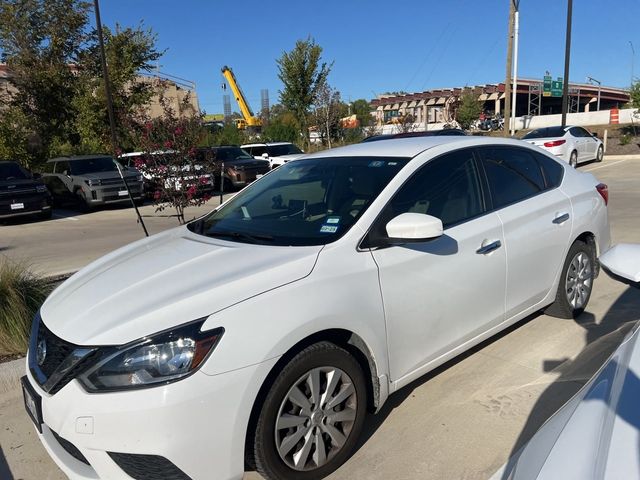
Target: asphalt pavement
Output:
{"points": [[462, 421]]}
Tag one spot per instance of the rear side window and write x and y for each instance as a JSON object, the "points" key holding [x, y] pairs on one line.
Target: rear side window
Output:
{"points": [[513, 175], [258, 151], [552, 170]]}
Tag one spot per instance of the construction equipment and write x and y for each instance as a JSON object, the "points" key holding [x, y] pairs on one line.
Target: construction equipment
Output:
{"points": [[248, 120]]}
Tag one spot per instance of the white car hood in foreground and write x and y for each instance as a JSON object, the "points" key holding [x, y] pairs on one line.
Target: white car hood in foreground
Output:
{"points": [[596, 435], [164, 281]]}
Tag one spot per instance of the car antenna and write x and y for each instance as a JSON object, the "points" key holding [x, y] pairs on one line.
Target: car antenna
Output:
{"points": [[126, 185]]}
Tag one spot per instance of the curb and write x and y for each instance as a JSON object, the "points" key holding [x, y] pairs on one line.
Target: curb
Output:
{"points": [[622, 157], [10, 373]]}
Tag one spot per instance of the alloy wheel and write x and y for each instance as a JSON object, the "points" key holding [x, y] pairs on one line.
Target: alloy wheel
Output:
{"points": [[579, 280], [315, 418], [573, 159]]}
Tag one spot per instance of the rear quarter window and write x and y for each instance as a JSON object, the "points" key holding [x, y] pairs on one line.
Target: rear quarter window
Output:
{"points": [[551, 169]]}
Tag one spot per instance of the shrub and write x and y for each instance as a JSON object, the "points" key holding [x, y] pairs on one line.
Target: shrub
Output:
{"points": [[625, 139], [21, 294]]}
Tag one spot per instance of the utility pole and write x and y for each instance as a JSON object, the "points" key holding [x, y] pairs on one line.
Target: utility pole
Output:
{"points": [[516, 31], [567, 57], [112, 120], [633, 55], [507, 82]]}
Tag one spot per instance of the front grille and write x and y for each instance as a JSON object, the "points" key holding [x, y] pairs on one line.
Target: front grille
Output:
{"points": [[16, 191], [148, 467], [70, 448], [112, 181], [62, 360], [57, 350]]}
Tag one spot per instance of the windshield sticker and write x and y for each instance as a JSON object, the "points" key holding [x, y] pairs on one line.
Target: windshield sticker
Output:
{"points": [[391, 164], [376, 163], [328, 229], [334, 220]]}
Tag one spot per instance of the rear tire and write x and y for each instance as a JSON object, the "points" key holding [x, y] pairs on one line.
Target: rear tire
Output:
{"points": [[312, 415], [573, 159], [576, 282]]}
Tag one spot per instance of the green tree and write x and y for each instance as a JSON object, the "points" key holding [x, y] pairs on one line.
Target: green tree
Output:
{"points": [[635, 94], [40, 42], [302, 73], [362, 109], [469, 109], [128, 51]]}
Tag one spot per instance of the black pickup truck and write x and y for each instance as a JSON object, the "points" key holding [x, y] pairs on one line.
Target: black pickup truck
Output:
{"points": [[22, 193]]}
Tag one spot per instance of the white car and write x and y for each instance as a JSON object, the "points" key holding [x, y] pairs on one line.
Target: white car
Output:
{"points": [[278, 153], [572, 144], [259, 335], [598, 429]]}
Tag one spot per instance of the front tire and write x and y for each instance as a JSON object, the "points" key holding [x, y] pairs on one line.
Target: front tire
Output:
{"points": [[576, 282], [312, 415], [600, 154]]}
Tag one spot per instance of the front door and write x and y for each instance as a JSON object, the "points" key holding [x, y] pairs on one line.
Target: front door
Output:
{"points": [[439, 293]]}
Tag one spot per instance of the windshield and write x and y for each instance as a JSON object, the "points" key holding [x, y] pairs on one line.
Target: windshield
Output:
{"points": [[12, 171], [92, 165], [547, 132], [225, 154], [279, 150], [306, 202]]}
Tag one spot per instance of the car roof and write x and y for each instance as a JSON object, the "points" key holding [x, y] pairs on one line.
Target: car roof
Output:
{"points": [[266, 144], [410, 147], [78, 157]]}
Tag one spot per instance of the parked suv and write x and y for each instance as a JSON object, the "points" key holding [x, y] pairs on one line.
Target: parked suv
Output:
{"points": [[240, 168], [22, 193], [278, 153], [91, 180]]}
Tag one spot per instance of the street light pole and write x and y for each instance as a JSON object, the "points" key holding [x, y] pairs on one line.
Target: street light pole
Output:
{"points": [[567, 58], [507, 82], [593, 80], [633, 56]]}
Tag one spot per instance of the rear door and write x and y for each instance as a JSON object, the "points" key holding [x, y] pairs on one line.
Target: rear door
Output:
{"points": [[536, 217], [439, 293]]}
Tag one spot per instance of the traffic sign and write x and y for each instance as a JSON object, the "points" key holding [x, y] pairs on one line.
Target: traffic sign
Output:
{"points": [[556, 87]]}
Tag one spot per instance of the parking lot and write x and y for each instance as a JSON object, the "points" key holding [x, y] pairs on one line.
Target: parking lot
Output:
{"points": [[462, 421]]}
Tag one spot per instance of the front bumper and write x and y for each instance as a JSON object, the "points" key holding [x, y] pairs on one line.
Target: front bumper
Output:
{"points": [[198, 424], [29, 205], [104, 195]]}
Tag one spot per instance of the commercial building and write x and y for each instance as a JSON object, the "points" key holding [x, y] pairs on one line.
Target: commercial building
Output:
{"points": [[438, 106]]}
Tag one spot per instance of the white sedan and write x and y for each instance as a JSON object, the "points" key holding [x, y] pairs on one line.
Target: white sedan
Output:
{"points": [[572, 144], [259, 335]]}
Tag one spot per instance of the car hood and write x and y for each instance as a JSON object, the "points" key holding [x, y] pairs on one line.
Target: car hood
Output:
{"points": [[598, 429], [108, 175], [164, 281], [288, 158], [246, 162]]}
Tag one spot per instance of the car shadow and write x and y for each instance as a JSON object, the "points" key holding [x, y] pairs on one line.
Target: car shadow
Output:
{"points": [[5, 471], [373, 422], [601, 340]]}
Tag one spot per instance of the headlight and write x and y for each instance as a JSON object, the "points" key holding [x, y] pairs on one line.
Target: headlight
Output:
{"points": [[41, 188], [92, 183], [159, 359]]}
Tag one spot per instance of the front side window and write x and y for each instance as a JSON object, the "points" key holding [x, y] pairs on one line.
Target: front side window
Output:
{"points": [[92, 165], [447, 187], [512, 173], [307, 202]]}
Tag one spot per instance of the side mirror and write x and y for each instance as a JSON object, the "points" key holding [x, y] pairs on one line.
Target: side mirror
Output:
{"points": [[265, 155], [66, 172], [622, 262], [414, 227]]}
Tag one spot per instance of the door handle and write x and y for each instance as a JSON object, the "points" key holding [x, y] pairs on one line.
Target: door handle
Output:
{"points": [[561, 218], [490, 247]]}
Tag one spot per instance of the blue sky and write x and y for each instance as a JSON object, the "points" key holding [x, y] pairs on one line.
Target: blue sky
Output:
{"points": [[380, 46]]}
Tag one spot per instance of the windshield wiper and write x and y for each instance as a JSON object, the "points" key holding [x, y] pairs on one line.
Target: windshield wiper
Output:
{"points": [[250, 238]]}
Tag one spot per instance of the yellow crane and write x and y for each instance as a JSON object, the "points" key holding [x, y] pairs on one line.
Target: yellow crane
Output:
{"points": [[248, 120]]}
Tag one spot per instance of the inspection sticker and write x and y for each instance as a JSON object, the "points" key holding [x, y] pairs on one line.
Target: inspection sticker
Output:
{"points": [[376, 163], [333, 220], [328, 229]]}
